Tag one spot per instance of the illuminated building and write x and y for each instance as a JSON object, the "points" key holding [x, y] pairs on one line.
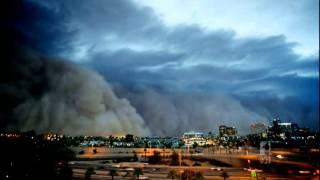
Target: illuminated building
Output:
{"points": [[287, 129], [192, 137]]}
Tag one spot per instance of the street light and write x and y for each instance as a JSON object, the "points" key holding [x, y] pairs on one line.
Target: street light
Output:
{"points": [[164, 152], [180, 157], [181, 171]]}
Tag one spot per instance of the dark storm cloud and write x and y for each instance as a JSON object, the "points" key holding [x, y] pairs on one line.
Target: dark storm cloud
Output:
{"points": [[289, 108], [49, 95], [38, 26], [130, 46], [128, 59], [126, 24], [305, 88]]}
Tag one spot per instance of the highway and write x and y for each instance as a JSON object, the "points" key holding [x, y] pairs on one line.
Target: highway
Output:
{"points": [[237, 159], [161, 171]]}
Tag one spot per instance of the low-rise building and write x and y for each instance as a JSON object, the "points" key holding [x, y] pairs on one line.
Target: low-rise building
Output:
{"points": [[190, 138]]}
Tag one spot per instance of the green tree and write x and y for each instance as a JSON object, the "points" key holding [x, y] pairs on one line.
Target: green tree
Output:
{"points": [[129, 138], [90, 171], [155, 158], [187, 174], [95, 151], [194, 145], [112, 173], [135, 156], [65, 172], [128, 174], [145, 153], [137, 172], [225, 175], [111, 140], [199, 176], [172, 174], [174, 158], [181, 143]]}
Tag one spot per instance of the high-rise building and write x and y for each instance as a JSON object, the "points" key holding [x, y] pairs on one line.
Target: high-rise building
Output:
{"points": [[257, 128], [286, 129], [222, 130], [227, 131]]}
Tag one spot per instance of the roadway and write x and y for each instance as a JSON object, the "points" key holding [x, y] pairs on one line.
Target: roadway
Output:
{"points": [[161, 171]]}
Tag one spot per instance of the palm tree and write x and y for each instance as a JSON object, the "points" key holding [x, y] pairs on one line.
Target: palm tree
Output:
{"points": [[128, 174], [225, 175], [90, 171], [187, 174], [137, 172], [135, 156], [145, 154], [65, 172], [172, 174], [112, 173], [174, 158], [198, 176]]}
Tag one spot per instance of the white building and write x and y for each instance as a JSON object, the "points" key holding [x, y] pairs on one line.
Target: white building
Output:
{"points": [[192, 137]]}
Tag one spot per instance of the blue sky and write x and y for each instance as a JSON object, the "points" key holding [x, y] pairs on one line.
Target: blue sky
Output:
{"points": [[262, 55], [297, 20]]}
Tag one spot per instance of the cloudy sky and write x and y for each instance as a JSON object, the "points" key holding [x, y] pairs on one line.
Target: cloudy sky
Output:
{"points": [[181, 62]]}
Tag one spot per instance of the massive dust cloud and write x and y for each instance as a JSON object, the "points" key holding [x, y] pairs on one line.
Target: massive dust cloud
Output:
{"points": [[172, 114], [75, 101], [169, 113]]}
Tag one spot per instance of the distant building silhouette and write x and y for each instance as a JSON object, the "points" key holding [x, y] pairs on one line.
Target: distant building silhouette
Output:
{"points": [[227, 131], [287, 129], [257, 128]]}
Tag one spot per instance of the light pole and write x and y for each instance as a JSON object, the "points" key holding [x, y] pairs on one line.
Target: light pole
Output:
{"points": [[92, 148], [149, 142], [164, 152], [181, 171], [145, 154], [188, 145], [180, 157]]}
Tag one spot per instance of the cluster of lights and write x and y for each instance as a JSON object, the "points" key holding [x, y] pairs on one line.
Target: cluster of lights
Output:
{"points": [[88, 137], [53, 137], [10, 135]]}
